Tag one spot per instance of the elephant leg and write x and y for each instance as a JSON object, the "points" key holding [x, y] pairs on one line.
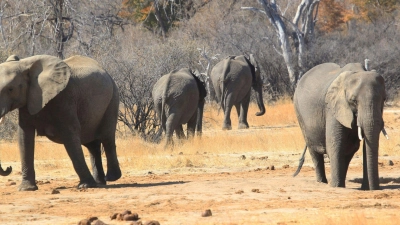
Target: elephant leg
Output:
{"points": [[191, 126], [72, 142], [179, 132], [171, 124], [338, 170], [26, 140], [95, 159], [319, 164], [113, 169], [244, 107], [227, 124]]}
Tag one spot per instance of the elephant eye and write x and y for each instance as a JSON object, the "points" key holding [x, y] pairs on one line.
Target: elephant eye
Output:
{"points": [[10, 90]]}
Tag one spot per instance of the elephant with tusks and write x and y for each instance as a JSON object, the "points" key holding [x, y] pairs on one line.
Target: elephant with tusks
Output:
{"points": [[337, 107]]}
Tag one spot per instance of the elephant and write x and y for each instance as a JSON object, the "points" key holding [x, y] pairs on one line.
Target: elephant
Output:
{"points": [[336, 108], [72, 102], [179, 99], [232, 79]]}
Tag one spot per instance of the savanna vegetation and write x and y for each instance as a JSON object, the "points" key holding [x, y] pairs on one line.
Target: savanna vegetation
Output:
{"points": [[137, 41]]}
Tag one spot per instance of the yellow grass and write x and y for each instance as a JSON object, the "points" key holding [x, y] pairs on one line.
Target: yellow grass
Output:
{"points": [[276, 131]]}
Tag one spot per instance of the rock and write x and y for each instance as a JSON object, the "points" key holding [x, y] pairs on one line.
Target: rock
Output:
{"points": [[131, 217], [252, 158], [55, 191], [206, 213], [256, 190], [242, 157], [285, 166], [272, 167], [99, 222], [239, 192], [263, 158], [11, 183], [126, 212], [114, 216], [151, 222], [390, 162], [84, 222], [136, 223], [180, 153], [92, 218]]}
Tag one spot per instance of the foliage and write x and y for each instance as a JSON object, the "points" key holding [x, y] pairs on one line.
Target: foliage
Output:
{"points": [[135, 56], [372, 10], [332, 15]]}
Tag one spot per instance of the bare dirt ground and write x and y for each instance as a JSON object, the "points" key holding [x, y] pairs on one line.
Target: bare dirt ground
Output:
{"points": [[240, 196], [238, 185]]}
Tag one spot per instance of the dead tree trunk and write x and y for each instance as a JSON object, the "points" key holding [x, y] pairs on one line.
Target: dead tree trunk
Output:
{"points": [[301, 28]]}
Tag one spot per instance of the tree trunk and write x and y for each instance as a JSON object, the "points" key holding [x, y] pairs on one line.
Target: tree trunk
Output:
{"points": [[58, 10]]}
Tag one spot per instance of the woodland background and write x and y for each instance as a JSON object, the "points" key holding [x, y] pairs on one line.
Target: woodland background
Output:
{"points": [[137, 41]]}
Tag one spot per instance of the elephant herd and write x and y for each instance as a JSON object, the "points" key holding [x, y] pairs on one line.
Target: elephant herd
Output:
{"points": [[75, 102]]}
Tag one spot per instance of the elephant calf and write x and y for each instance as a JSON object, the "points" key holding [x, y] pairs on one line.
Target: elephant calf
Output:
{"points": [[336, 107], [179, 99], [72, 102]]}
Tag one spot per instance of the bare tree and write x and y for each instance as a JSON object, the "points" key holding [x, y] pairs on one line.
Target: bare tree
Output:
{"points": [[300, 29], [207, 68]]}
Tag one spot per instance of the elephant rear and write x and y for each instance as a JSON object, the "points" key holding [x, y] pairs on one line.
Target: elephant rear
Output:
{"points": [[179, 99], [177, 93]]}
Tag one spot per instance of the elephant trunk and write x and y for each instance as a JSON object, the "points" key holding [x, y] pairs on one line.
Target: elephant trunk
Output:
{"points": [[9, 169], [260, 101], [371, 129], [5, 172]]}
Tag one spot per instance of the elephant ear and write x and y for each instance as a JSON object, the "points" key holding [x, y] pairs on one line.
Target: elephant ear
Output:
{"points": [[253, 61], [200, 84], [336, 100], [12, 58], [48, 76]]}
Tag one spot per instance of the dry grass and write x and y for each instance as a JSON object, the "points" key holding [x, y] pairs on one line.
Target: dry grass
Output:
{"points": [[276, 131]]}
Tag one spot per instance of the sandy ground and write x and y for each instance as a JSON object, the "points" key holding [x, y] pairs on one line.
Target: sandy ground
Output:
{"points": [[235, 196]]}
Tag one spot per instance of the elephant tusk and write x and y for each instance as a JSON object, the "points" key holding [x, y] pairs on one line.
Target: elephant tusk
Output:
{"points": [[360, 134], [384, 133], [1, 120]]}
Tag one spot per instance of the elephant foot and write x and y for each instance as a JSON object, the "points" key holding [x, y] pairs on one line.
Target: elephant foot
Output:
{"points": [[113, 175], [227, 127], [27, 186], [87, 184], [338, 184], [243, 126], [100, 181]]}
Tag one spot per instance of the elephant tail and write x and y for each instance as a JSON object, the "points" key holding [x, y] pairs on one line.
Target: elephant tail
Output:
{"points": [[224, 80], [163, 118], [301, 162]]}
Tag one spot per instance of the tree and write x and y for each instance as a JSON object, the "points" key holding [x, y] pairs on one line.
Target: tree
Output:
{"points": [[300, 30], [372, 10], [48, 26]]}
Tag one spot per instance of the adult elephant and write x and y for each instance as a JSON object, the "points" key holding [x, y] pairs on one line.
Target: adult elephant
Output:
{"points": [[72, 102], [232, 79], [179, 99], [336, 107]]}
